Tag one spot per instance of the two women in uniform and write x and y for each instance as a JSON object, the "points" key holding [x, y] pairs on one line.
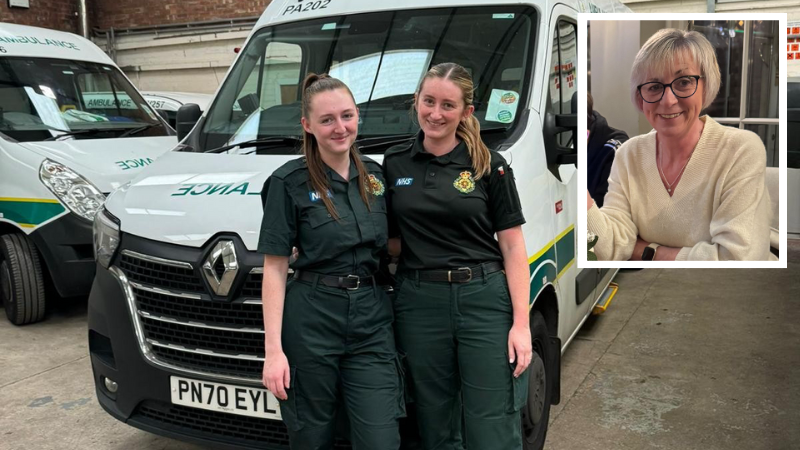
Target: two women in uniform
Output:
{"points": [[461, 313]]}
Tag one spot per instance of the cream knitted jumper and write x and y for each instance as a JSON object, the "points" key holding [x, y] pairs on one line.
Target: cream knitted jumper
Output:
{"points": [[719, 210]]}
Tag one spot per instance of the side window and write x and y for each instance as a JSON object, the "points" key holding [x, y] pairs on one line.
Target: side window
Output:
{"points": [[563, 71], [265, 78], [274, 80]]}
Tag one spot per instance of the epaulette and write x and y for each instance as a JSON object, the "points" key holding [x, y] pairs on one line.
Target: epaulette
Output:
{"points": [[399, 148], [290, 167]]}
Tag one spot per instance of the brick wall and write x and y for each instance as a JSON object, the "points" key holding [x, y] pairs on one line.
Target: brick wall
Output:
{"points": [[53, 14], [136, 13]]}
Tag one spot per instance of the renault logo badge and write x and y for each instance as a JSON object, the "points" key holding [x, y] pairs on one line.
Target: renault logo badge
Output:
{"points": [[221, 267]]}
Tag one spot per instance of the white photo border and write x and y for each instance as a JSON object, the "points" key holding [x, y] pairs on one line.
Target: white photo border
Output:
{"points": [[580, 234]]}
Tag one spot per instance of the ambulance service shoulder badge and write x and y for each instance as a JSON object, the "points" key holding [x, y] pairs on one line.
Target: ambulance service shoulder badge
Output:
{"points": [[465, 183], [375, 185]]}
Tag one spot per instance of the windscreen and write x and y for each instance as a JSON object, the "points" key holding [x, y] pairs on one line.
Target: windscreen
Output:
{"points": [[382, 58], [53, 99]]}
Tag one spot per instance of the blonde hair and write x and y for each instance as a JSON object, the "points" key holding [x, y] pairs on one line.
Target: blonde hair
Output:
{"points": [[469, 129], [658, 55], [314, 84]]}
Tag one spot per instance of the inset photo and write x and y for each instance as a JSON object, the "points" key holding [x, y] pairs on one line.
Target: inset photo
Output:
{"points": [[684, 163]]}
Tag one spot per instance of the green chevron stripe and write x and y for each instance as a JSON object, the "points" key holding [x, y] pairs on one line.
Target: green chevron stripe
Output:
{"points": [[561, 254], [29, 211]]}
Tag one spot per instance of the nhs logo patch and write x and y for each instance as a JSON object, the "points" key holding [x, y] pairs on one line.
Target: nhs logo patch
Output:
{"points": [[403, 182], [315, 197]]}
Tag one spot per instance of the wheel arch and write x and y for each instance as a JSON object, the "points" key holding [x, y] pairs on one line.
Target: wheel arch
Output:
{"points": [[546, 302], [6, 228]]}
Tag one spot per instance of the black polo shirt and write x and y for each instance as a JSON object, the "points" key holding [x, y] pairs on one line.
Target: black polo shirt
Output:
{"points": [[295, 216], [445, 217]]}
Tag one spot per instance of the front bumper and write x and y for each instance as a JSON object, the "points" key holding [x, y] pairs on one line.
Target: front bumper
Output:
{"points": [[143, 396]]}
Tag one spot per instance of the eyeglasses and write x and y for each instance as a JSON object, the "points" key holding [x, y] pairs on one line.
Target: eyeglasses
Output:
{"points": [[682, 87]]}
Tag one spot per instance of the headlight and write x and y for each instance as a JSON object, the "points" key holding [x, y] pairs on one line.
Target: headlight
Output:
{"points": [[80, 196], [106, 237]]}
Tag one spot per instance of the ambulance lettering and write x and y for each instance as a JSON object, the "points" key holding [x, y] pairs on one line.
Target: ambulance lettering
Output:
{"points": [[213, 189], [35, 40], [106, 101], [302, 6], [134, 163]]}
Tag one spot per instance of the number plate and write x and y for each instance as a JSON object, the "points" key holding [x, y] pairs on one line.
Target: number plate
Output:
{"points": [[240, 400]]}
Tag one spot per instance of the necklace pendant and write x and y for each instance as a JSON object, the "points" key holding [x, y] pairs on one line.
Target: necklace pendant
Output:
{"points": [[669, 190]]}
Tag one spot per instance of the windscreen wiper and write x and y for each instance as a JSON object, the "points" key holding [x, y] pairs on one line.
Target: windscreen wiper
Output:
{"points": [[136, 130], [67, 133], [274, 140]]}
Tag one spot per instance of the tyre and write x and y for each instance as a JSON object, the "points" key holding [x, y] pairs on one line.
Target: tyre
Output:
{"points": [[536, 413], [21, 280]]}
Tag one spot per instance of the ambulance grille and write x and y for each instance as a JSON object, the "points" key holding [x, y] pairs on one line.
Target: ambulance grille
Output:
{"points": [[249, 432], [197, 327], [161, 275], [185, 329]]}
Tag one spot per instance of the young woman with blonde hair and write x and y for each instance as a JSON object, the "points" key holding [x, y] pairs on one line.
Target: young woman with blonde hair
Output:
{"points": [[461, 313]]}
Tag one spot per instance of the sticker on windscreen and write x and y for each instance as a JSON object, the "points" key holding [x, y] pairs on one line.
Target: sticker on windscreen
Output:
{"points": [[502, 106], [302, 6]]}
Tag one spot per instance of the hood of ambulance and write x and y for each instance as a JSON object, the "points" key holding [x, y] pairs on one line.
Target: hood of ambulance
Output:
{"points": [[106, 163], [187, 198]]}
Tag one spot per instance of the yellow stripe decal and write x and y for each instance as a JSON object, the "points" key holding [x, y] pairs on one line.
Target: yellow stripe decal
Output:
{"points": [[549, 245], [27, 200], [565, 269]]}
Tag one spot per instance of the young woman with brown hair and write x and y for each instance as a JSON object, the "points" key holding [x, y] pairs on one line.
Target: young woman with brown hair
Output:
{"points": [[328, 330]]}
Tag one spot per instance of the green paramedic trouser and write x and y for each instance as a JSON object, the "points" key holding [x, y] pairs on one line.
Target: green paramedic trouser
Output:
{"points": [[340, 346], [455, 338]]}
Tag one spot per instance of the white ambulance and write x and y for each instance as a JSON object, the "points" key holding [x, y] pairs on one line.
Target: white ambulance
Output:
{"points": [[72, 129], [175, 323]]}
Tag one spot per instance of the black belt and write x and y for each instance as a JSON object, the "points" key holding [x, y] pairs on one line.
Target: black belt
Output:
{"points": [[460, 275], [351, 282]]}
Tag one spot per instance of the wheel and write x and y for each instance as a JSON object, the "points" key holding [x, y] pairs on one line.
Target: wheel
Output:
{"points": [[21, 280], [536, 413]]}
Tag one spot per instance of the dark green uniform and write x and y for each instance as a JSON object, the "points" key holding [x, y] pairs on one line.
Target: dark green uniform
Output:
{"points": [[455, 333], [339, 342]]}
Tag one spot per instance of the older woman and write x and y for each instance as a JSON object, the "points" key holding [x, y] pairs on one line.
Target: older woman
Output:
{"points": [[691, 189]]}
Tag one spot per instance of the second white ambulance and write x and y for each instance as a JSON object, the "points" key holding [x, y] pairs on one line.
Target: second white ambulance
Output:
{"points": [[72, 129]]}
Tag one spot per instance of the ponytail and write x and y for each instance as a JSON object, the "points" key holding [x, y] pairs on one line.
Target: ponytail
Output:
{"points": [[469, 131], [312, 85]]}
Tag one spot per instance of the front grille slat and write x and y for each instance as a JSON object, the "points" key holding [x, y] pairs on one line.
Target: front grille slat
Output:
{"points": [[212, 365], [236, 314], [160, 275]]}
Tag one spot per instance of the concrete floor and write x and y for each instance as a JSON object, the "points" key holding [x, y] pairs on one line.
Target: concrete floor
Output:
{"points": [[683, 359]]}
